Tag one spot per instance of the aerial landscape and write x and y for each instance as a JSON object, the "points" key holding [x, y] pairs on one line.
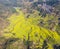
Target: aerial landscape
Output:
{"points": [[29, 24]]}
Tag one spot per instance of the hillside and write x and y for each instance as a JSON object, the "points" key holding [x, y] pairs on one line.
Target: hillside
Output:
{"points": [[29, 34], [29, 24]]}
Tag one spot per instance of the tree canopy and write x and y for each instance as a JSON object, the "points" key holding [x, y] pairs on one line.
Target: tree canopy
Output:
{"points": [[22, 27]]}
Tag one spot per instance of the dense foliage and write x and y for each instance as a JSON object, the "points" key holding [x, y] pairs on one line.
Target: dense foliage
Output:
{"points": [[30, 34], [29, 24]]}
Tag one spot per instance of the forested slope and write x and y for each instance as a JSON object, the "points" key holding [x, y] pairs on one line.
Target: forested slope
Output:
{"points": [[30, 35], [29, 24]]}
